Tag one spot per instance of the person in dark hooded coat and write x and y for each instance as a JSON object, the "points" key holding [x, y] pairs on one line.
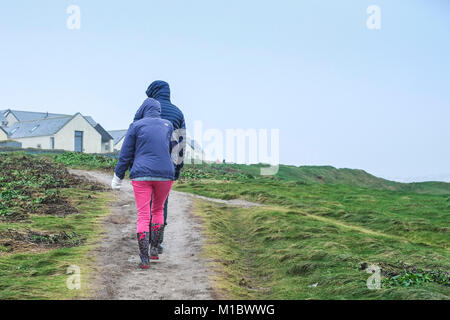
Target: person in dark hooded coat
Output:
{"points": [[160, 91]]}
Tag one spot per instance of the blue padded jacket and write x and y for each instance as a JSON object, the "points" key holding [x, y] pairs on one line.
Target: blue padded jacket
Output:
{"points": [[147, 145]]}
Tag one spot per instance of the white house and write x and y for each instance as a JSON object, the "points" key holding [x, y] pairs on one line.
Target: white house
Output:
{"points": [[107, 139], [3, 134], [54, 131], [118, 138]]}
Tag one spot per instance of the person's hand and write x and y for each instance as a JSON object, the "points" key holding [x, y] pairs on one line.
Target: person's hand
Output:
{"points": [[116, 183]]}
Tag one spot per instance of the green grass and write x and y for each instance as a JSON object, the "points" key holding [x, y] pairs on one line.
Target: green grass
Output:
{"points": [[42, 275], [277, 253], [37, 245], [308, 175], [78, 160], [317, 229], [321, 231], [241, 172], [417, 217]]}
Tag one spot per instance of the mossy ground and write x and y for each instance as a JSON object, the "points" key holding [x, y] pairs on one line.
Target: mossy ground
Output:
{"points": [[39, 240], [40, 273], [317, 229], [277, 253]]}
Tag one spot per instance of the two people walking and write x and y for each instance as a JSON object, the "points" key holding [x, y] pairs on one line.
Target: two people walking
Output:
{"points": [[147, 153]]}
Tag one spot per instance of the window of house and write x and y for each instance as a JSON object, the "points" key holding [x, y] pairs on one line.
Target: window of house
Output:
{"points": [[39, 146], [52, 143]]}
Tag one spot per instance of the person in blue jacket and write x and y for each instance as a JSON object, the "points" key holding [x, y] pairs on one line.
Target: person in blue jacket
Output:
{"points": [[160, 91], [147, 150]]}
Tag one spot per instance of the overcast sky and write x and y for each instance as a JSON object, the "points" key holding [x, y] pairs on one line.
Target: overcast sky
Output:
{"points": [[341, 94]]}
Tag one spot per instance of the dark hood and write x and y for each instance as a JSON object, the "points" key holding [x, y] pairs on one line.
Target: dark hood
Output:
{"points": [[149, 109], [159, 90]]}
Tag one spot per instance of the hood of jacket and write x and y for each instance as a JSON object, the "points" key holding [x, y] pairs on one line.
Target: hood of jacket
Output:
{"points": [[159, 90], [149, 109]]}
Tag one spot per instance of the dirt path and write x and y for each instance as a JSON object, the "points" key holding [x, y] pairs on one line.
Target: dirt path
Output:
{"points": [[180, 273], [233, 202]]}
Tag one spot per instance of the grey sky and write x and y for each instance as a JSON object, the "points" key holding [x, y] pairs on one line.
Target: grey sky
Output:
{"points": [[340, 94]]}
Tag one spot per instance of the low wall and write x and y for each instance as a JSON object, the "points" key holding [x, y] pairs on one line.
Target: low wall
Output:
{"points": [[52, 151], [12, 144]]}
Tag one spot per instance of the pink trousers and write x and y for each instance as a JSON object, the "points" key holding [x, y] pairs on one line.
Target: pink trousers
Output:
{"points": [[143, 191]]}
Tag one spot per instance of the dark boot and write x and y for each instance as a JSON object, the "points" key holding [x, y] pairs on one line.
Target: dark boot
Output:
{"points": [[155, 235], [143, 241], [160, 247]]}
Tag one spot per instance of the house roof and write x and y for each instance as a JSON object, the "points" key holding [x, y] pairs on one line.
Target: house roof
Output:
{"points": [[3, 114], [117, 135], [34, 124], [105, 135], [36, 128], [31, 115], [2, 118], [90, 120]]}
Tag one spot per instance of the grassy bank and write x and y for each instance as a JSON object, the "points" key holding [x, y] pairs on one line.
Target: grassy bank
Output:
{"points": [[239, 172], [319, 231], [278, 253], [317, 239], [78, 160], [307, 175], [421, 218], [48, 222]]}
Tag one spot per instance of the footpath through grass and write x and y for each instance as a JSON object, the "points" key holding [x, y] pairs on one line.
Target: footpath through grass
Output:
{"points": [[420, 218], [49, 220], [317, 240], [319, 232]]}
